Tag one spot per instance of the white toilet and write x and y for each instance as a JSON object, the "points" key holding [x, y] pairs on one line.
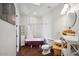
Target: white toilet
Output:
{"points": [[46, 48]]}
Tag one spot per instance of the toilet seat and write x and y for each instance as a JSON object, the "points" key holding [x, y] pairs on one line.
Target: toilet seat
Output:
{"points": [[46, 49], [45, 46]]}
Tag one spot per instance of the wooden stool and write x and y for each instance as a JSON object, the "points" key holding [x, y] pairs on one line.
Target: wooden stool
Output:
{"points": [[56, 50], [57, 47]]}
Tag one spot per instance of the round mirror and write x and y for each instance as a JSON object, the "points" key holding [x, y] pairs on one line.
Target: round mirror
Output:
{"points": [[72, 17]]}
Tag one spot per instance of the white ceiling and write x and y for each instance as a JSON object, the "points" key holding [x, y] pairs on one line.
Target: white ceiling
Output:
{"points": [[38, 10]]}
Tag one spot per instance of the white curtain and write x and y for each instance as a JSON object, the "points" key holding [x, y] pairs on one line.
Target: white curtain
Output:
{"points": [[34, 27], [29, 32]]}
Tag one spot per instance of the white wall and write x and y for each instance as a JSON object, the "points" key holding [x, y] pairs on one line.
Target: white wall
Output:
{"points": [[17, 27], [7, 39], [52, 23], [46, 29]]}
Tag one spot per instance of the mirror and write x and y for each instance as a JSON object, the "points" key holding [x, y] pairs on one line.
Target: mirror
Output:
{"points": [[71, 20], [72, 17]]}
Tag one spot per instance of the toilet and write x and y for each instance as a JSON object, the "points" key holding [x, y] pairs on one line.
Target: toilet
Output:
{"points": [[46, 47]]}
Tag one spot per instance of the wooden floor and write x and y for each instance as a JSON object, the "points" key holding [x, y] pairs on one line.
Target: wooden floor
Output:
{"points": [[35, 51]]}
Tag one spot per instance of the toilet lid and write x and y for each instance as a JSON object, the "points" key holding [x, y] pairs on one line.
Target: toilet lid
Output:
{"points": [[45, 46]]}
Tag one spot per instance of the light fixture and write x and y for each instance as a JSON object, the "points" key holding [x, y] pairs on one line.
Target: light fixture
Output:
{"points": [[70, 11], [65, 9]]}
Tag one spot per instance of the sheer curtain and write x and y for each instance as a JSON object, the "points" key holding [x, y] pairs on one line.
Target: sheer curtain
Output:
{"points": [[29, 32], [34, 27]]}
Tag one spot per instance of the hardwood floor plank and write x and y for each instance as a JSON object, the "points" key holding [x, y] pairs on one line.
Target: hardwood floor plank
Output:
{"points": [[35, 51]]}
